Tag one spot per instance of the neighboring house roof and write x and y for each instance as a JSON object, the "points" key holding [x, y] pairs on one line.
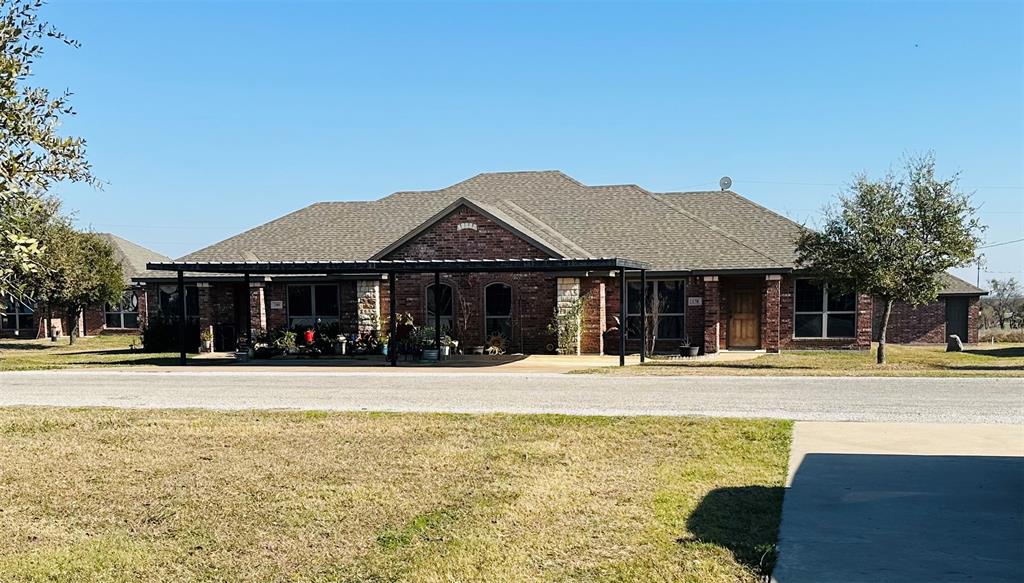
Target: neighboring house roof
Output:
{"points": [[671, 231], [132, 256], [954, 286]]}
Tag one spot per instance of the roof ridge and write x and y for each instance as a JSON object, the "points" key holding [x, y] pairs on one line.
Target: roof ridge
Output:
{"points": [[544, 226], [713, 227]]}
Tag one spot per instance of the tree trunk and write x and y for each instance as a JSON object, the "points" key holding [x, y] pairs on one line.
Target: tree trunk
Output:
{"points": [[886, 312], [49, 320], [73, 316]]}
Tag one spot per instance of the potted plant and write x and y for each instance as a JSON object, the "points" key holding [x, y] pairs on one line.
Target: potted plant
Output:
{"points": [[426, 341], [687, 348], [286, 342], [446, 346], [207, 337]]}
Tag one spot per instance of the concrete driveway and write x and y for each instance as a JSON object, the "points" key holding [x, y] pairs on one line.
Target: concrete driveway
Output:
{"points": [[870, 502], [946, 400]]}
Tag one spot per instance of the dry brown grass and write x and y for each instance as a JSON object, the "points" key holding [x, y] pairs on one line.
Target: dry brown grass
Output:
{"points": [[130, 495], [980, 360]]}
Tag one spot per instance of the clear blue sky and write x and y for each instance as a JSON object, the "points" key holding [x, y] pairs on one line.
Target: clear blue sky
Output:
{"points": [[210, 118]]}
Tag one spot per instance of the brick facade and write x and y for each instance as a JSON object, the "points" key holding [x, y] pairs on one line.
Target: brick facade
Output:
{"points": [[533, 294], [924, 324]]}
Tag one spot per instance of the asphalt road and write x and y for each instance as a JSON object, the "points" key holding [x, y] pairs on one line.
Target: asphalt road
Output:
{"points": [[943, 400]]}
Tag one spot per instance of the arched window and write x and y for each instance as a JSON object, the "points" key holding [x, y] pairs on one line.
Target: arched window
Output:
{"points": [[498, 310], [447, 307]]}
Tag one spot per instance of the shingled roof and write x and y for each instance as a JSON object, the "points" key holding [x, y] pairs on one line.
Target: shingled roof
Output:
{"points": [[132, 256], [700, 231]]}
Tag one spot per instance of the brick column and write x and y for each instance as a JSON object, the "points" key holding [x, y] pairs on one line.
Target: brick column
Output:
{"points": [[864, 308], [712, 300], [771, 313], [594, 316], [368, 305], [568, 291], [205, 307], [257, 308]]}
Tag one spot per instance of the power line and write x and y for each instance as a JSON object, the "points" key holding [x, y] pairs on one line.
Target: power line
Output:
{"points": [[1001, 244]]}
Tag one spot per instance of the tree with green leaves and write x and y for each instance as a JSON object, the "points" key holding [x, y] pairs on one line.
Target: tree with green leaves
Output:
{"points": [[33, 155], [81, 270], [893, 238], [1006, 295]]}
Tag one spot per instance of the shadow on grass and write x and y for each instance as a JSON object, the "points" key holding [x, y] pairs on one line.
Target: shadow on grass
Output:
{"points": [[744, 520], [1007, 352], [25, 346], [727, 365], [981, 367]]}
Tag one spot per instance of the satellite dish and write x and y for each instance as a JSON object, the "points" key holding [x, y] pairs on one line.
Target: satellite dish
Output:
{"points": [[725, 182]]}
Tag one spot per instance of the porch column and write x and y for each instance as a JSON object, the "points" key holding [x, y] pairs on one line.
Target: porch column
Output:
{"points": [[622, 317], [392, 320], [643, 315], [368, 306], [569, 291], [712, 298], [437, 313], [181, 315], [771, 316], [248, 315]]}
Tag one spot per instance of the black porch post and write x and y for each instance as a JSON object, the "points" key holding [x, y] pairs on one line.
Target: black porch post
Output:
{"points": [[248, 313], [622, 316], [181, 315], [392, 320], [437, 313], [643, 315]]}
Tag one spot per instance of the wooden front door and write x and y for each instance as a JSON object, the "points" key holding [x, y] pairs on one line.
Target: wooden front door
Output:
{"points": [[744, 318]]}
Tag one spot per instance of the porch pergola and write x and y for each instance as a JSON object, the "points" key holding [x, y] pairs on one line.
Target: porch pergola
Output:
{"points": [[391, 268]]}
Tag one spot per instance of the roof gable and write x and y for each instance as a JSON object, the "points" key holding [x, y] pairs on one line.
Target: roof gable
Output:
{"points": [[492, 213]]}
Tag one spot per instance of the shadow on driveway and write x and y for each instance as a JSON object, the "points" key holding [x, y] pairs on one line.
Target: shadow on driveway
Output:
{"points": [[906, 518]]}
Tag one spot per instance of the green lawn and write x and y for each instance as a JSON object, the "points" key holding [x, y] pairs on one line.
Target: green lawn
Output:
{"points": [[133, 495], [1006, 360], [113, 350]]}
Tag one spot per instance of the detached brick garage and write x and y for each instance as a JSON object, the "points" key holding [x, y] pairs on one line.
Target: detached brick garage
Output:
{"points": [[720, 267]]}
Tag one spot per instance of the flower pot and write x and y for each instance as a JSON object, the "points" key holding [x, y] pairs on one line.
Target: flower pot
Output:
{"points": [[384, 349], [207, 345], [689, 350], [446, 351], [430, 354], [477, 350]]}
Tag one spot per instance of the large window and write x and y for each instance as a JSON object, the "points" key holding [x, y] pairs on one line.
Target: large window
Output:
{"points": [[124, 314], [822, 314], [309, 303], [668, 297], [444, 300], [15, 314], [169, 306], [498, 310]]}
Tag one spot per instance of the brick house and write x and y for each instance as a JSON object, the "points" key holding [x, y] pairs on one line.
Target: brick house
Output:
{"points": [[719, 267], [24, 318]]}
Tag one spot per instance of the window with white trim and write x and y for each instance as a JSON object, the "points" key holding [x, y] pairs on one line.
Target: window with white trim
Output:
{"points": [[498, 310], [125, 313], [818, 313], [447, 307], [671, 304], [308, 304], [16, 314]]}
